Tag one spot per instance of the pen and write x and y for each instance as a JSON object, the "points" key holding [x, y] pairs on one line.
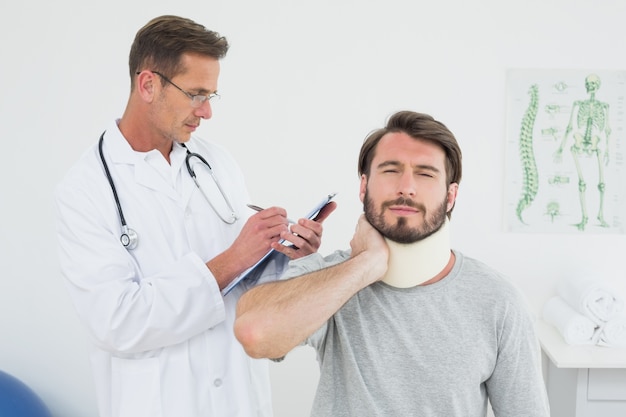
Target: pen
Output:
{"points": [[257, 208]]}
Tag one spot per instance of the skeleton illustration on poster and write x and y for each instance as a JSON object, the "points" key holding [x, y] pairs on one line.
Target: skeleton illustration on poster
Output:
{"points": [[565, 151]]}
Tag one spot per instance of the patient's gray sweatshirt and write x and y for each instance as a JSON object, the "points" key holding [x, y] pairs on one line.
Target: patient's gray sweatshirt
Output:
{"points": [[439, 350]]}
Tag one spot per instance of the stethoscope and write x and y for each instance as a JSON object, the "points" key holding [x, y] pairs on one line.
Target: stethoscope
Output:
{"points": [[129, 237], [233, 216]]}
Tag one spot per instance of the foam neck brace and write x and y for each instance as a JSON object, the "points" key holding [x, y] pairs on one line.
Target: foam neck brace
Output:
{"points": [[412, 264]]}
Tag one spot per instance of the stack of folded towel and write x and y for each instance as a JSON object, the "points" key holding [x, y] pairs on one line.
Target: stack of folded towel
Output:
{"points": [[587, 312]]}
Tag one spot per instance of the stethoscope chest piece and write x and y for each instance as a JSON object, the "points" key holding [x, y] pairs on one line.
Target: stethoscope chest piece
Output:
{"points": [[129, 238]]}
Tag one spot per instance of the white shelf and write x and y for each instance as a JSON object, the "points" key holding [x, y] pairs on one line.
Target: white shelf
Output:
{"points": [[569, 356]]}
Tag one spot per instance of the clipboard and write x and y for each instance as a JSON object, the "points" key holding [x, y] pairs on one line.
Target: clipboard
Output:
{"points": [[310, 215]]}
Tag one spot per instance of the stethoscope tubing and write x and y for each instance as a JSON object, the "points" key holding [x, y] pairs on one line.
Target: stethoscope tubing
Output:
{"points": [[129, 237], [233, 216]]}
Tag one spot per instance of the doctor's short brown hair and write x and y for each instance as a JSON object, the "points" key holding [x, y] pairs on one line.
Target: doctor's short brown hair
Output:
{"points": [[160, 44]]}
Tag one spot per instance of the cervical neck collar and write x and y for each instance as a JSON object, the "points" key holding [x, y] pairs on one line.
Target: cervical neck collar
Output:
{"points": [[412, 264]]}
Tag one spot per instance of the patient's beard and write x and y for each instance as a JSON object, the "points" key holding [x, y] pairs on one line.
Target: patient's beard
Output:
{"points": [[400, 232], [416, 254]]}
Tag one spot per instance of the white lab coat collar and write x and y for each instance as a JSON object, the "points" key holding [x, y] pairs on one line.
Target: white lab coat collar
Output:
{"points": [[119, 152]]}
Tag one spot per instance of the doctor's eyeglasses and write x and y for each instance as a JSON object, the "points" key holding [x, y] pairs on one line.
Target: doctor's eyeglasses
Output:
{"points": [[197, 100]]}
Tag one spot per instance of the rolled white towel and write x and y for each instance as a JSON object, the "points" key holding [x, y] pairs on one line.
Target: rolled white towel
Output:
{"points": [[591, 297], [613, 332], [575, 328]]}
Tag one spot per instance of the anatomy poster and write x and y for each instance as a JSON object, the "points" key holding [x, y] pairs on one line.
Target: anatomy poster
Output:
{"points": [[565, 148]]}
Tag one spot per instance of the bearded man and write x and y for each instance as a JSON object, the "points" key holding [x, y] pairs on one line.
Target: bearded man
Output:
{"points": [[403, 325]]}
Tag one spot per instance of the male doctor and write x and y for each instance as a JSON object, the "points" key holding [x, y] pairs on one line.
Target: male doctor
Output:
{"points": [[146, 252]]}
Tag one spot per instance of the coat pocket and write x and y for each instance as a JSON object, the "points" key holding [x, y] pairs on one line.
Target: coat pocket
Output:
{"points": [[135, 387]]}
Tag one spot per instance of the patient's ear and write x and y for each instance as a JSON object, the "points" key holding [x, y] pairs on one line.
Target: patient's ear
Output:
{"points": [[363, 187], [453, 189]]}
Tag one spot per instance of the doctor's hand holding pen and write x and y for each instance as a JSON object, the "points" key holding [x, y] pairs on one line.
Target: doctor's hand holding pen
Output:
{"points": [[269, 229], [302, 237]]}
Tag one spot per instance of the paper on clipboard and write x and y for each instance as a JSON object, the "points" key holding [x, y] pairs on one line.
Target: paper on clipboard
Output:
{"points": [[310, 215]]}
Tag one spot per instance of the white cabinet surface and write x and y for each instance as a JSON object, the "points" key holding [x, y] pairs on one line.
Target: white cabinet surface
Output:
{"points": [[583, 381]]}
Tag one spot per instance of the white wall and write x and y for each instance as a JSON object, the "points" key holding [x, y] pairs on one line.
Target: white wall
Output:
{"points": [[302, 85]]}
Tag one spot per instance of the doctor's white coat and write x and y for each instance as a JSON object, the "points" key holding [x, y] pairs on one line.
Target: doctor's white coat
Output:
{"points": [[163, 342]]}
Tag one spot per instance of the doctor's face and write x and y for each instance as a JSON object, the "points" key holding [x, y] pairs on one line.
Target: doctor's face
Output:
{"points": [[173, 113], [406, 196]]}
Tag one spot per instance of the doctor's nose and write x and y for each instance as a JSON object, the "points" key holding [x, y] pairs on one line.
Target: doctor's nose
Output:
{"points": [[204, 111]]}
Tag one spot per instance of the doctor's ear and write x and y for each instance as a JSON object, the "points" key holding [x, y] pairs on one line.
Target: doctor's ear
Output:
{"points": [[144, 84]]}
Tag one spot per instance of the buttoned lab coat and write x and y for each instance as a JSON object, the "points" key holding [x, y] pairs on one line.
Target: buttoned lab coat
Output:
{"points": [[163, 342]]}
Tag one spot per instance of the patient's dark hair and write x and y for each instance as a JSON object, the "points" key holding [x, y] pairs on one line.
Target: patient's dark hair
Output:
{"points": [[420, 127]]}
